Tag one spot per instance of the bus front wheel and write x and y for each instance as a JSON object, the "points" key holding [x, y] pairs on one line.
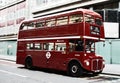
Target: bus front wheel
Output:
{"points": [[75, 69], [28, 63]]}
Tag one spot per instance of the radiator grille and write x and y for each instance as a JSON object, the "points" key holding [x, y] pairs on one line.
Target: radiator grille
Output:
{"points": [[97, 64]]}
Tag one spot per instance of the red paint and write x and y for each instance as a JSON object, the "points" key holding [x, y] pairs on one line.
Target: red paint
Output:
{"points": [[63, 35]]}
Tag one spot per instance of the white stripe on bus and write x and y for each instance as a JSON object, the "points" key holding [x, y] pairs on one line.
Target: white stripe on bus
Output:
{"points": [[68, 37], [50, 38]]}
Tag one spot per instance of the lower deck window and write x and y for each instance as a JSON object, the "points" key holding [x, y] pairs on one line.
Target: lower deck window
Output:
{"points": [[38, 46], [60, 46], [30, 46], [48, 46]]}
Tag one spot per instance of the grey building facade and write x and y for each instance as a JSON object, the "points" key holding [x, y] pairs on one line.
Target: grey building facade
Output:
{"points": [[25, 9]]}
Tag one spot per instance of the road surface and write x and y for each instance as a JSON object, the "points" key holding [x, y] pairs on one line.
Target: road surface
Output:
{"points": [[10, 72]]}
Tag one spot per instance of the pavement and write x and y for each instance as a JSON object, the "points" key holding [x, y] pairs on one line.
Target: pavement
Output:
{"points": [[110, 69], [9, 58]]}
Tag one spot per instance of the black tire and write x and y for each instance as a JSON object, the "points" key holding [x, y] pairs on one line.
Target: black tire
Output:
{"points": [[75, 70], [28, 63]]}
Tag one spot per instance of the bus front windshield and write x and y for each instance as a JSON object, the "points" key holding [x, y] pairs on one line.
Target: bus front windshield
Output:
{"points": [[89, 46], [92, 20], [89, 19]]}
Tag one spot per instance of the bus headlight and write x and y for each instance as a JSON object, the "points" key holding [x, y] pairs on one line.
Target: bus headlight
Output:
{"points": [[103, 62], [87, 62]]}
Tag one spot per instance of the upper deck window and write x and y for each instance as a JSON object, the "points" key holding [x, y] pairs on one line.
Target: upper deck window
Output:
{"points": [[26, 26], [62, 20], [40, 24], [89, 19], [75, 18], [50, 22]]}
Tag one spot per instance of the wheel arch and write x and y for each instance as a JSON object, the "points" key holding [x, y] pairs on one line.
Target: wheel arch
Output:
{"points": [[74, 61], [78, 64], [28, 56]]}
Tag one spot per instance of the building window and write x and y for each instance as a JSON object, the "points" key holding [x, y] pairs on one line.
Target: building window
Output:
{"points": [[41, 2], [113, 5]]}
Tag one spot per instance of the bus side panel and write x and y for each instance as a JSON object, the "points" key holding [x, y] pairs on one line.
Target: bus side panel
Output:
{"points": [[21, 53], [38, 57], [57, 61]]}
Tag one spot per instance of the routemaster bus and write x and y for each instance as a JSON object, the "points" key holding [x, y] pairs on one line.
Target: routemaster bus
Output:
{"points": [[64, 41]]}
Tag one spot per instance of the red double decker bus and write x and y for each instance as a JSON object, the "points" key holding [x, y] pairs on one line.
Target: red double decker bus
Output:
{"points": [[64, 41]]}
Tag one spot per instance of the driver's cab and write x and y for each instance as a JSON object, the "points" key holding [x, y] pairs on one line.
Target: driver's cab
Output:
{"points": [[76, 45], [80, 45]]}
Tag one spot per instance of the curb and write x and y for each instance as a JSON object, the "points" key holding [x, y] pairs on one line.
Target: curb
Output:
{"points": [[111, 74], [8, 60]]}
